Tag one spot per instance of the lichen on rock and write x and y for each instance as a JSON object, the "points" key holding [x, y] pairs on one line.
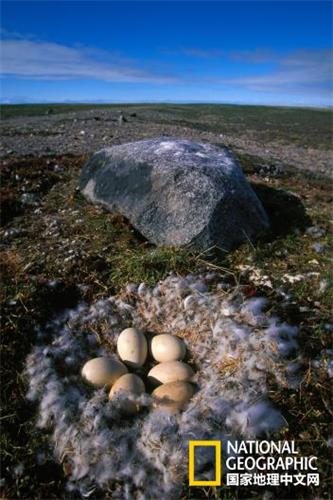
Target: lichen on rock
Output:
{"points": [[176, 192]]}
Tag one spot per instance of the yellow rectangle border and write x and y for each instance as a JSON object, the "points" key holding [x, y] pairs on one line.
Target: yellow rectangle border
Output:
{"points": [[191, 463]]}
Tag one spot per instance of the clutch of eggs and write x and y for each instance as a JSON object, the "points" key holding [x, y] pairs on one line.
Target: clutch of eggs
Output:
{"points": [[171, 376]]}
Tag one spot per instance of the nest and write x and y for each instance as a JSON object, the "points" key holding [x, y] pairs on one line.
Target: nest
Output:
{"points": [[233, 345]]}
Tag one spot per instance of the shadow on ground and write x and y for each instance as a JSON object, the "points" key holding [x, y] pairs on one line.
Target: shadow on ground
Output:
{"points": [[285, 210]]}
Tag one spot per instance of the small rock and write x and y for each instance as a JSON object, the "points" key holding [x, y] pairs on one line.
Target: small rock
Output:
{"points": [[30, 199], [318, 247], [13, 232], [323, 285], [121, 119], [316, 231]]}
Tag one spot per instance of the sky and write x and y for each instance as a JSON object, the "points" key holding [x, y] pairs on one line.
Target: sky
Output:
{"points": [[265, 52]]}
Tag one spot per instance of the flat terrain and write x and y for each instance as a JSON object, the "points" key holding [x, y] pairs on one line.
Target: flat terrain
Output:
{"points": [[294, 136], [57, 250]]}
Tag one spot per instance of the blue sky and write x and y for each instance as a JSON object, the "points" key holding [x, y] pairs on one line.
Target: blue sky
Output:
{"points": [[266, 52]]}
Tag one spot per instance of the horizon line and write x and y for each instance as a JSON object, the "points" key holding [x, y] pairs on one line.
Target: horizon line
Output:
{"points": [[165, 102]]}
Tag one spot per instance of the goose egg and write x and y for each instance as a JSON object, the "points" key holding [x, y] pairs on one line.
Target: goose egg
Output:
{"points": [[103, 371], [172, 371], [132, 347], [128, 384], [173, 396], [166, 348]]}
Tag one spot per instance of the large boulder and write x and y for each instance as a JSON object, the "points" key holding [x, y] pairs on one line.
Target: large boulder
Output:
{"points": [[176, 192]]}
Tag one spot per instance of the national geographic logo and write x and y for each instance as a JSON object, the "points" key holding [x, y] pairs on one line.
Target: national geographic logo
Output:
{"points": [[256, 463], [191, 463]]}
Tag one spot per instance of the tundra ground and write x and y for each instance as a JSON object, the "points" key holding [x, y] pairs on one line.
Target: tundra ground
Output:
{"points": [[57, 250]]}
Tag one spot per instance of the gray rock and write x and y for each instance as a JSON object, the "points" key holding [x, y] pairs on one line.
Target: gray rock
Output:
{"points": [[176, 192]]}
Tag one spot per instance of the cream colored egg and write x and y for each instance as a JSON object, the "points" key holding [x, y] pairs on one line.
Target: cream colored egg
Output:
{"points": [[128, 384], [166, 348], [173, 396], [132, 347], [103, 371], [173, 371]]}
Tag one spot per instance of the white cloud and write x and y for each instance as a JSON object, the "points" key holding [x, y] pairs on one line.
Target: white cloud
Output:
{"points": [[304, 70], [307, 72], [266, 70], [32, 59]]}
